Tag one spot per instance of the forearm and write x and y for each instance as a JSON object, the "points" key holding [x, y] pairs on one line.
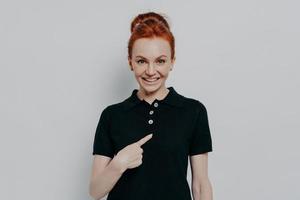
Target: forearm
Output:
{"points": [[202, 191], [105, 180]]}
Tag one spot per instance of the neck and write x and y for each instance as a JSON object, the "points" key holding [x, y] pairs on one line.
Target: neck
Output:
{"points": [[159, 94]]}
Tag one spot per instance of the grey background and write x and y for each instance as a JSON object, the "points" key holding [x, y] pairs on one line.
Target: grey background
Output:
{"points": [[63, 61]]}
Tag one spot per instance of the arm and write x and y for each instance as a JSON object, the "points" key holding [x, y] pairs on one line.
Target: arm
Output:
{"points": [[105, 173], [201, 186]]}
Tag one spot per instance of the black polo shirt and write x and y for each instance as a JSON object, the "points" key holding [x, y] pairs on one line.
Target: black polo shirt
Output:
{"points": [[180, 128]]}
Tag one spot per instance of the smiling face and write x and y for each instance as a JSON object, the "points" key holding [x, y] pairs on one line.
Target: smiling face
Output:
{"points": [[151, 62]]}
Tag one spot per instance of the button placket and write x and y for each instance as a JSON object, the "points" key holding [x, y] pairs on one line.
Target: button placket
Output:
{"points": [[151, 112]]}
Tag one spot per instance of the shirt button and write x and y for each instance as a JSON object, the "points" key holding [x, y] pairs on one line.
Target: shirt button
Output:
{"points": [[150, 121], [155, 104], [151, 112]]}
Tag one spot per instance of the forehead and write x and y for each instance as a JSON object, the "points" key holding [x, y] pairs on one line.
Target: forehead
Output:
{"points": [[151, 47]]}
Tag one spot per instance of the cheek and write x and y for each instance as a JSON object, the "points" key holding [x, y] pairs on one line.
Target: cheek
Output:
{"points": [[165, 75], [164, 72], [138, 72]]}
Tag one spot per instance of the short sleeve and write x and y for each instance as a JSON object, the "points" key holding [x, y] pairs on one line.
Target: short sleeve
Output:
{"points": [[102, 141], [201, 141]]}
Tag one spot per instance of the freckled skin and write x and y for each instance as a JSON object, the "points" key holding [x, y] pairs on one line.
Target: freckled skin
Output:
{"points": [[150, 66]]}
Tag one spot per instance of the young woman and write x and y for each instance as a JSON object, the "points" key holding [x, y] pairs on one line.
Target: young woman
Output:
{"points": [[142, 144]]}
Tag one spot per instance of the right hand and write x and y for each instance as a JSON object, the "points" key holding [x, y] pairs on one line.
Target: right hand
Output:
{"points": [[131, 155]]}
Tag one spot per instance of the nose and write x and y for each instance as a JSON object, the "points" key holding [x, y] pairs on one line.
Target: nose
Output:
{"points": [[150, 69]]}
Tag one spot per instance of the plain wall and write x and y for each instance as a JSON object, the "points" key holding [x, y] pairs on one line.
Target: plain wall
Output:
{"points": [[63, 61]]}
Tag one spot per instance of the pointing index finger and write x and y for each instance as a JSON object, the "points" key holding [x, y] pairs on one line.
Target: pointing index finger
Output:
{"points": [[144, 139]]}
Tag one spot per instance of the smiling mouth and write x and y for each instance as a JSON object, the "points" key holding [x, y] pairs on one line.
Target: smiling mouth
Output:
{"points": [[152, 80]]}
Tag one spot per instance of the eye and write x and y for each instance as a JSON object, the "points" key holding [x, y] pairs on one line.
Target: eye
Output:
{"points": [[161, 61], [140, 61]]}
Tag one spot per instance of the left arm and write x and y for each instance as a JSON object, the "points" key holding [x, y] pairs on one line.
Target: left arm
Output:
{"points": [[201, 186]]}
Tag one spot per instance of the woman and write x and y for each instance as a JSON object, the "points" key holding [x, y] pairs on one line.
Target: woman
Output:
{"points": [[142, 144]]}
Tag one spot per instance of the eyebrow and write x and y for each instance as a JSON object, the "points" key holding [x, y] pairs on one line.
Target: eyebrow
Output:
{"points": [[146, 58]]}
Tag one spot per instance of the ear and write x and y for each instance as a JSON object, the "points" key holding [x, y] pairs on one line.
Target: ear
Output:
{"points": [[130, 67], [129, 64], [173, 61]]}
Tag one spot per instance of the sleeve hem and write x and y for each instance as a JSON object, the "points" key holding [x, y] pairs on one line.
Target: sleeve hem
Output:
{"points": [[103, 154], [200, 151]]}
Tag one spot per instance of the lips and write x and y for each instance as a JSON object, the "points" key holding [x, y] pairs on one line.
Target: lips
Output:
{"points": [[150, 80]]}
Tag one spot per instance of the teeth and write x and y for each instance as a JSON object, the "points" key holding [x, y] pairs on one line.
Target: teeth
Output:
{"points": [[151, 80]]}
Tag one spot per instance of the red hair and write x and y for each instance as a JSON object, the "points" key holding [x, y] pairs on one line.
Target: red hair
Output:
{"points": [[150, 25]]}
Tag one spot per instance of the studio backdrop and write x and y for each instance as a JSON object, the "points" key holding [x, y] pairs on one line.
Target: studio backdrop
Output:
{"points": [[62, 62]]}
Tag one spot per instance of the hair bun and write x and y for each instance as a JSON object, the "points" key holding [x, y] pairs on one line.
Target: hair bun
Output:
{"points": [[150, 25], [150, 19]]}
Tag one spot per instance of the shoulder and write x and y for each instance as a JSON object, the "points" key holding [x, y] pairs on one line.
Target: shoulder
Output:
{"points": [[116, 108], [193, 103], [110, 109]]}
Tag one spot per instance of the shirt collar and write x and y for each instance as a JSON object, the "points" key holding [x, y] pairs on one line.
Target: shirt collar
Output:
{"points": [[172, 98]]}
